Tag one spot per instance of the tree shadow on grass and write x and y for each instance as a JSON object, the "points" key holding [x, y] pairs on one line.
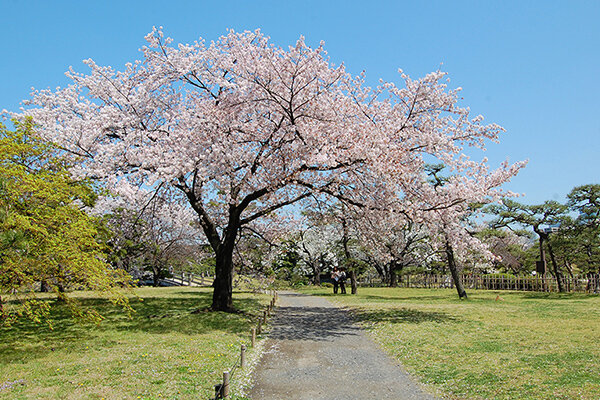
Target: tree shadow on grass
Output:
{"points": [[409, 298], [155, 313], [558, 296], [440, 297], [403, 315]]}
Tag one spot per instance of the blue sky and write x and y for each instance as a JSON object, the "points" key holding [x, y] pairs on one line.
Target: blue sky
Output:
{"points": [[530, 66]]}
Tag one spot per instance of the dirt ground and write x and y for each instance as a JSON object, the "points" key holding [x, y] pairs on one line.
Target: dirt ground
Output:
{"points": [[315, 351]]}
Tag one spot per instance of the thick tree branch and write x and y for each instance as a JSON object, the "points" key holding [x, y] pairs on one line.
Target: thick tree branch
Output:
{"points": [[274, 207]]}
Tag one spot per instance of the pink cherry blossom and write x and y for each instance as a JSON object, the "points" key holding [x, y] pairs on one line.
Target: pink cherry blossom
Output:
{"points": [[243, 128]]}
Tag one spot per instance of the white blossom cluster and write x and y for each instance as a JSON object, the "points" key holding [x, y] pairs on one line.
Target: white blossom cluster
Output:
{"points": [[242, 128]]}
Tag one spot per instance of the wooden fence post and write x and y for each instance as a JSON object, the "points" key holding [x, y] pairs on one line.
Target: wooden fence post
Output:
{"points": [[253, 337], [242, 356], [225, 384]]}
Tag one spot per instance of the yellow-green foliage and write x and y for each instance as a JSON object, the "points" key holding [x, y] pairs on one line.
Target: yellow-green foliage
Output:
{"points": [[45, 236]]}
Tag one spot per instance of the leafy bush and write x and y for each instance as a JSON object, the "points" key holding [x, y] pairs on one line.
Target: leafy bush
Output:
{"points": [[298, 280]]}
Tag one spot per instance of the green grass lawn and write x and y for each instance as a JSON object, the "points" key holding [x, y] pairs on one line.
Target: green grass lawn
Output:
{"points": [[526, 346], [163, 351]]}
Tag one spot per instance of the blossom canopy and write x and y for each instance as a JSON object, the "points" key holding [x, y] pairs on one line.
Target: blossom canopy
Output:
{"points": [[242, 128]]}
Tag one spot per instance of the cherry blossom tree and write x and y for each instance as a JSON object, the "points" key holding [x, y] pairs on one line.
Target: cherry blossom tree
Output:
{"points": [[395, 242], [148, 230], [259, 242], [243, 128], [316, 242]]}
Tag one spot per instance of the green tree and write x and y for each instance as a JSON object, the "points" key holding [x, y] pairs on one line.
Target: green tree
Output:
{"points": [[585, 199], [46, 237], [538, 218], [584, 233], [512, 249], [286, 262]]}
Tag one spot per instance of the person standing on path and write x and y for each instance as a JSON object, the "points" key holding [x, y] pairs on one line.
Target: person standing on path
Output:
{"points": [[342, 280], [335, 276]]}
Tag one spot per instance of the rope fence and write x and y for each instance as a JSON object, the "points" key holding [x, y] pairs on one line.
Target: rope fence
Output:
{"points": [[222, 389]]}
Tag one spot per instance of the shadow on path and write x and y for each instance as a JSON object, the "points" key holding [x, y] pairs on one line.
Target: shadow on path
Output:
{"points": [[312, 323], [316, 352]]}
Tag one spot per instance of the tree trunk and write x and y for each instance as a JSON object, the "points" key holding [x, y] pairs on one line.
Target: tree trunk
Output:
{"points": [[223, 284], [155, 277], [349, 262], [542, 237], [454, 271], [353, 284], [542, 252], [44, 287], [393, 273], [569, 270], [393, 277], [557, 272], [381, 272], [317, 274], [394, 270]]}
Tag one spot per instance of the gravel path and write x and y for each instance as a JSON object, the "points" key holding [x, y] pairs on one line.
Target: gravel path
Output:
{"points": [[315, 351]]}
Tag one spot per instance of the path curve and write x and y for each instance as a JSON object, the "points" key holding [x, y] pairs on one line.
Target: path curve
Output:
{"points": [[315, 351]]}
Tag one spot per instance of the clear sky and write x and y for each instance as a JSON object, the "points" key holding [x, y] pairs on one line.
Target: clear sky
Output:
{"points": [[531, 66]]}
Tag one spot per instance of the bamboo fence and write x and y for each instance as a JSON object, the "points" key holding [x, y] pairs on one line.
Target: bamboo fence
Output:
{"points": [[537, 283]]}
